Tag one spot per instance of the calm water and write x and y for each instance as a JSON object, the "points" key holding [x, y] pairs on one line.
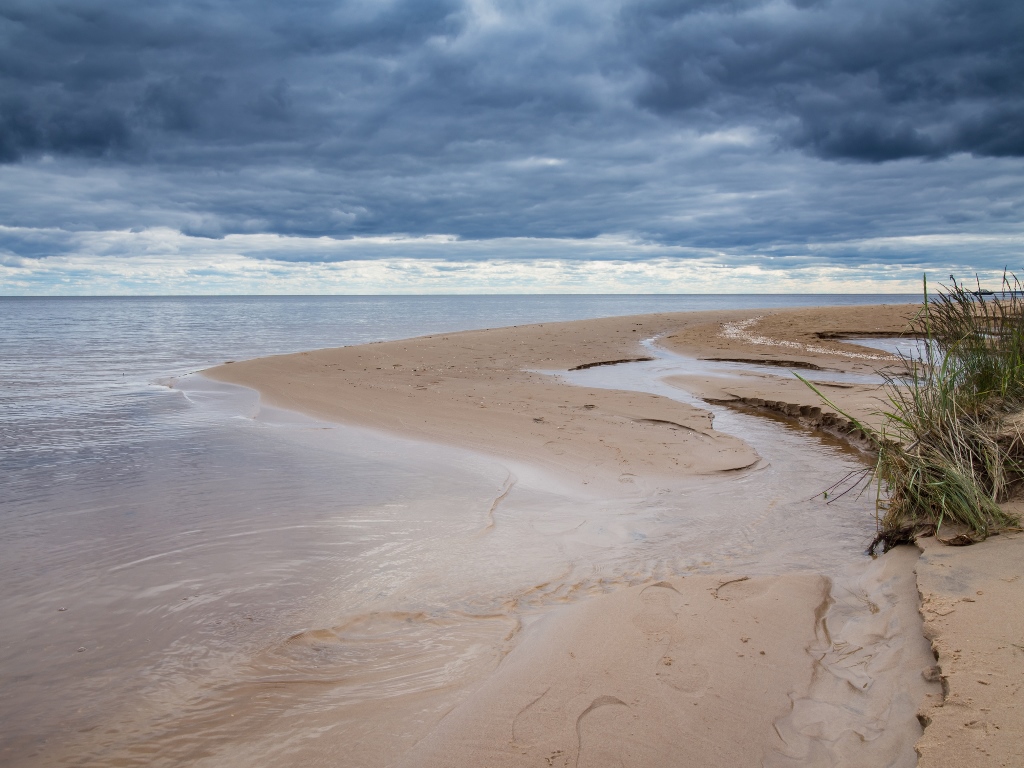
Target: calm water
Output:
{"points": [[180, 578]]}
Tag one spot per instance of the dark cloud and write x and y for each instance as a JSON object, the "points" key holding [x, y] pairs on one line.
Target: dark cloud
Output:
{"points": [[870, 80], [82, 130], [117, 78], [867, 80], [708, 123]]}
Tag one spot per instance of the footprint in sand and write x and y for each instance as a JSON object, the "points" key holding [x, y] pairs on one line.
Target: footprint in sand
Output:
{"points": [[531, 723], [531, 727], [603, 730], [678, 664], [657, 613], [741, 588], [678, 669]]}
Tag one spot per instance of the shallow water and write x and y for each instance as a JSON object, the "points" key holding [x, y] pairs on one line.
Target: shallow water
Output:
{"points": [[434, 585], [279, 583], [909, 347]]}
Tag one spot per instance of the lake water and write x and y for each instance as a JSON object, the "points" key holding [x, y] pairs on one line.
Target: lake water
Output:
{"points": [[186, 584]]}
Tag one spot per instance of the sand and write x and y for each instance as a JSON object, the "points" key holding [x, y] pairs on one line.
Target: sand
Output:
{"points": [[972, 607], [480, 390], [707, 670], [771, 671], [795, 340], [483, 389]]}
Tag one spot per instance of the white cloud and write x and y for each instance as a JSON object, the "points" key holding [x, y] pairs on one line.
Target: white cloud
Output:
{"points": [[164, 261]]}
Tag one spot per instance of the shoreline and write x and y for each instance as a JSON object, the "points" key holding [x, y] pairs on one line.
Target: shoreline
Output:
{"points": [[482, 390], [493, 390]]}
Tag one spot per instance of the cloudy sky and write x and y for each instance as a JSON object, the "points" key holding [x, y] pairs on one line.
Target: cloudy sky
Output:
{"points": [[444, 146]]}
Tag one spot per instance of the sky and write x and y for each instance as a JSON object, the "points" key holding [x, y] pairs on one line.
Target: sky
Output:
{"points": [[519, 146]]}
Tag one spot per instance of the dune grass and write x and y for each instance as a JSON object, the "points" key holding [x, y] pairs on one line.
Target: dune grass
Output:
{"points": [[951, 445]]}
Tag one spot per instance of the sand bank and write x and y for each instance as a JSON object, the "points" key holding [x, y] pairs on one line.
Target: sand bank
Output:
{"points": [[974, 616], [646, 674], [484, 389], [481, 390]]}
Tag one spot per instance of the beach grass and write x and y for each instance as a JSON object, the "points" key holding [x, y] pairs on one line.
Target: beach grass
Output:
{"points": [[950, 448]]}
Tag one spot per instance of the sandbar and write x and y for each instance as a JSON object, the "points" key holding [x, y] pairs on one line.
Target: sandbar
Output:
{"points": [[705, 670]]}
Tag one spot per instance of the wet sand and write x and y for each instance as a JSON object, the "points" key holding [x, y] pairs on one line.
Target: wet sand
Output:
{"points": [[788, 669], [714, 668]]}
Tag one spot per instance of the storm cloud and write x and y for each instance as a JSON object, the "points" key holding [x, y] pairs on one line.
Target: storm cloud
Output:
{"points": [[735, 126], [867, 81]]}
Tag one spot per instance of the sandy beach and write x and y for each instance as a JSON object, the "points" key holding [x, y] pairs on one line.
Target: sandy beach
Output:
{"points": [[724, 669]]}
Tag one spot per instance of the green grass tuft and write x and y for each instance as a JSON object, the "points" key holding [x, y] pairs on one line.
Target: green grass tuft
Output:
{"points": [[951, 445]]}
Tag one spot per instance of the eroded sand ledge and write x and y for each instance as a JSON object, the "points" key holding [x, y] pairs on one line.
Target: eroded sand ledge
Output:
{"points": [[624, 677]]}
